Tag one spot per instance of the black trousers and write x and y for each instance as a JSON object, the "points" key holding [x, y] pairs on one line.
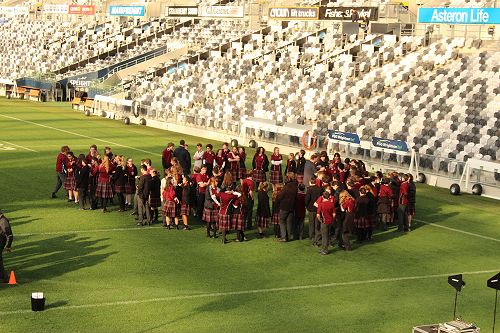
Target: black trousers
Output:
{"points": [[60, 178], [143, 209], [82, 197], [200, 202], [312, 225], [325, 230], [286, 224], [249, 213], [3, 274], [403, 217]]}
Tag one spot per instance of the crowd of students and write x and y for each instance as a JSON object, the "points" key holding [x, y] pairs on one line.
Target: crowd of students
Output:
{"points": [[338, 196]]}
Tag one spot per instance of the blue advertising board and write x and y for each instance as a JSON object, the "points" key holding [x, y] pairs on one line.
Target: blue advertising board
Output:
{"points": [[389, 144], [343, 136], [126, 10], [459, 15]]}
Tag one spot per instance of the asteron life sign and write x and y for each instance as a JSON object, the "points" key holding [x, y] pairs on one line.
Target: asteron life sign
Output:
{"points": [[459, 15]]}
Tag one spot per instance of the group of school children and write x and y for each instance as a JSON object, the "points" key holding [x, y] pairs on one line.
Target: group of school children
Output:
{"points": [[340, 198]]}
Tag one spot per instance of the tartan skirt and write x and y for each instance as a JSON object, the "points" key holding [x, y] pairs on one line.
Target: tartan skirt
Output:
{"points": [[238, 221], [275, 177], [154, 202], [119, 188], [410, 209], [262, 222], [185, 209], [259, 176], [300, 179], [235, 173], [275, 218], [170, 209], [224, 222], [130, 188], [384, 205], [70, 183], [104, 190], [242, 173], [363, 222], [210, 215]]}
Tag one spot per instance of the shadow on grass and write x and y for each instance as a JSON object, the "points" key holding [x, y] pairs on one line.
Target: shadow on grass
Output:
{"points": [[18, 221], [52, 257]]}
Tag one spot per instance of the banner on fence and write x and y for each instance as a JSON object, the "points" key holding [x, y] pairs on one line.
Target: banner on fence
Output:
{"points": [[293, 13], [81, 9], [389, 144], [182, 11], [55, 9], [16, 10], [221, 11], [459, 15], [345, 13], [127, 10], [344, 136]]}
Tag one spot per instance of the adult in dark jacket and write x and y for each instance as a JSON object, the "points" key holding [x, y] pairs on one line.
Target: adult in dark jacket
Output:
{"points": [[310, 168], [182, 154], [286, 200], [143, 191], [6, 238], [312, 194], [82, 178], [120, 179]]}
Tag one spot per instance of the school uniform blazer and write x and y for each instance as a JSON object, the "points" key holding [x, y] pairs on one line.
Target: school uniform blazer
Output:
{"points": [[265, 163], [155, 185], [144, 187], [286, 198], [119, 177], [263, 208], [82, 177]]}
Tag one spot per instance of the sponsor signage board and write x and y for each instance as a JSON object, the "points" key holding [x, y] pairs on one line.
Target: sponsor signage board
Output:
{"points": [[55, 9], [15, 10], [81, 9], [344, 136], [389, 144], [293, 13], [459, 15], [222, 11], [127, 10], [182, 11], [345, 13]]}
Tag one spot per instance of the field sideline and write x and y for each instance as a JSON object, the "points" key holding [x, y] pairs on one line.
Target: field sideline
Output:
{"points": [[100, 273]]}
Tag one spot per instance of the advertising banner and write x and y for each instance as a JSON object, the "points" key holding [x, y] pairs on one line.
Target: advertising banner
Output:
{"points": [[127, 10], [81, 9], [16, 10], [343, 136], [389, 144], [182, 11], [459, 15], [345, 13], [83, 81], [55, 9], [221, 11], [293, 13]]}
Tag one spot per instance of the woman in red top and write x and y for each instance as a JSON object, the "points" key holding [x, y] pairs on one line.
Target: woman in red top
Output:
{"points": [[291, 165], [211, 208], [275, 175], [104, 190], [170, 210], [325, 214], [237, 217], [347, 204], [220, 160], [275, 218], [208, 159], [131, 173], [234, 160], [70, 182], [384, 204], [260, 165], [60, 165], [225, 202]]}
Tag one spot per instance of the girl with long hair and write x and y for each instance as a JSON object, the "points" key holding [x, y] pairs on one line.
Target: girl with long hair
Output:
{"points": [[120, 179], [276, 210], [347, 205], [70, 182], [169, 210], [104, 190], [263, 214]]}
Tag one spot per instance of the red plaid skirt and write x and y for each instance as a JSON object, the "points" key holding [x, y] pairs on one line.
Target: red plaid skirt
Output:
{"points": [[411, 209], [70, 183], [276, 218], [170, 209], [243, 173], [224, 222], [210, 215], [235, 173], [130, 188], [185, 209], [300, 179], [104, 190], [363, 222], [259, 176], [384, 205], [237, 221], [262, 222], [275, 177], [154, 202], [119, 188]]}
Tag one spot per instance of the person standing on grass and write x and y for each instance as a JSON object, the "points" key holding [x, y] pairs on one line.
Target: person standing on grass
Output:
{"points": [[247, 187], [301, 162], [260, 165], [233, 159], [120, 179], [243, 167], [93, 153], [198, 156], [291, 165], [362, 215], [275, 208], [70, 182], [300, 212], [6, 238], [166, 156], [347, 205], [226, 201], [82, 177], [384, 203], [143, 191], [310, 168], [263, 214], [238, 216], [202, 181], [403, 204], [169, 210], [326, 215], [211, 207], [275, 175], [104, 190], [286, 200], [183, 156], [154, 200], [185, 200], [208, 159], [61, 161], [131, 173], [412, 198], [94, 175], [313, 193]]}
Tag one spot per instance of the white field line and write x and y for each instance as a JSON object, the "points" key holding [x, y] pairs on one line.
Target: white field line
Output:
{"points": [[78, 134], [245, 292], [458, 230], [19, 146]]}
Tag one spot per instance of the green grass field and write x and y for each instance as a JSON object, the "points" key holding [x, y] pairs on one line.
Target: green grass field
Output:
{"points": [[101, 273]]}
